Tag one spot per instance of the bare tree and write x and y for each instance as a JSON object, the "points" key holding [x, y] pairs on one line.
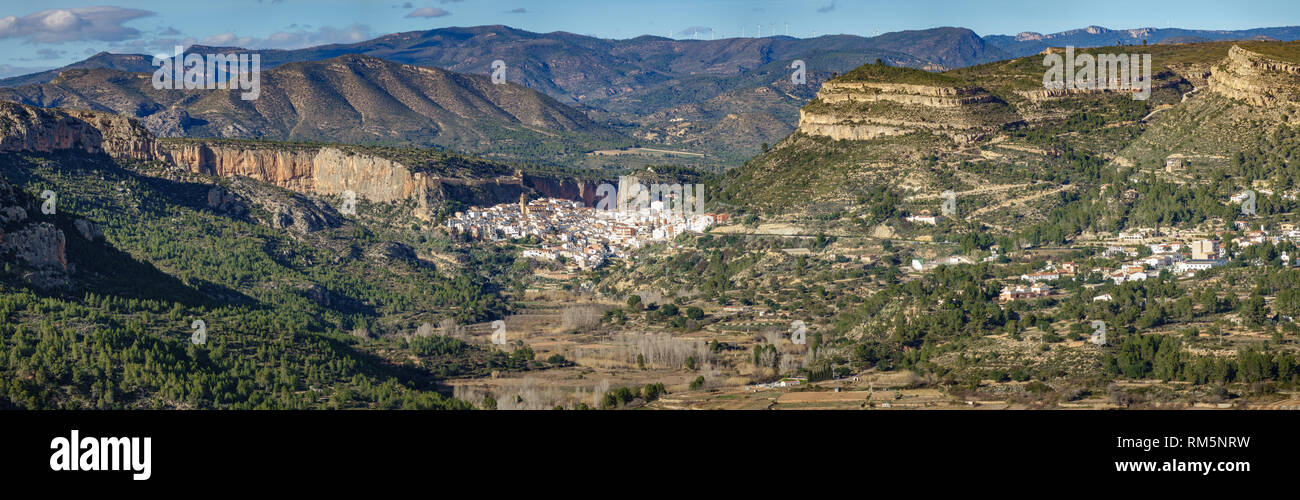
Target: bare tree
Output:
{"points": [[449, 328], [581, 317]]}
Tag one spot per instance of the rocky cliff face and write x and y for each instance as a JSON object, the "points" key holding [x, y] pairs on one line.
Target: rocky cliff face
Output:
{"points": [[921, 95], [333, 171], [566, 189], [38, 248], [1256, 79], [317, 170], [32, 129], [867, 110], [305, 169]]}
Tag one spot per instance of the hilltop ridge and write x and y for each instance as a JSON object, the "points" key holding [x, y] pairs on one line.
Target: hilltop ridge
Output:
{"points": [[350, 99]]}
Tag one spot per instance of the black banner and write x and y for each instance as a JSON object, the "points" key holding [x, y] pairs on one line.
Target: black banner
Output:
{"points": [[505, 449]]}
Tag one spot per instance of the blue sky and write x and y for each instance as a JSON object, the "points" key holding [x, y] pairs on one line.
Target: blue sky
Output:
{"points": [[34, 37]]}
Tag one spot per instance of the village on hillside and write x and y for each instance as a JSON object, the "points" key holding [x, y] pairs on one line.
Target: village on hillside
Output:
{"points": [[576, 234]]}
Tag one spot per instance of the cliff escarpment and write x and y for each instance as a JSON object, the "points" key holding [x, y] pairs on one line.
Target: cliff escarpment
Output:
{"points": [[38, 130], [319, 170], [867, 108], [328, 170], [429, 178], [1261, 79]]}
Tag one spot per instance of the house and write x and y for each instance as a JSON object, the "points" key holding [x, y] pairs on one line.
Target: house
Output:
{"points": [[1114, 251], [1129, 273], [954, 260], [1158, 261], [1105, 297], [923, 219], [1021, 292], [1205, 249], [1194, 265], [1040, 277]]}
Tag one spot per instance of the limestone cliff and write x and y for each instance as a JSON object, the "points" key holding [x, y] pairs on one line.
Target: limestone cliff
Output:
{"points": [[38, 248], [321, 170], [333, 171], [308, 169], [1256, 78], [863, 110], [32, 129]]}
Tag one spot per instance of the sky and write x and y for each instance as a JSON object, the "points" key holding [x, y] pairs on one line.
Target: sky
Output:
{"points": [[59, 32]]}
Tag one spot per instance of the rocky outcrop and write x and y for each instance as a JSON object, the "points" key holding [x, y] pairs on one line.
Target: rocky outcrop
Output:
{"points": [[390, 251], [301, 215], [922, 95], [89, 230], [323, 170], [318, 170], [377, 179], [39, 248], [32, 129], [282, 210], [863, 110], [334, 171], [226, 203], [565, 189], [170, 123], [1256, 79], [40, 245]]}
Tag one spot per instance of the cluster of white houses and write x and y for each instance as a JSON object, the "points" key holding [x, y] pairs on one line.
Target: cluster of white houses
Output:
{"points": [[583, 236], [1011, 293], [1204, 254], [1173, 257], [1177, 257]]}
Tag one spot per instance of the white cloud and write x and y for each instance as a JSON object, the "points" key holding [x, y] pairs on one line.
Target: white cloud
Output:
{"points": [[428, 12], [226, 38], [297, 39], [102, 24], [289, 39], [165, 45]]}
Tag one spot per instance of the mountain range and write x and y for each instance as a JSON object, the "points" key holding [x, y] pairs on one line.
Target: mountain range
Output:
{"points": [[351, 98], [1029, 43], [722, 98]]}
